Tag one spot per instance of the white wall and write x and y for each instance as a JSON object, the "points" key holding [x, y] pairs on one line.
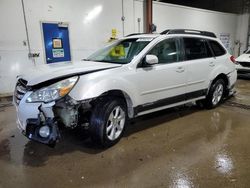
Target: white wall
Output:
{"points": [[169, 16], [13, 54], [85, 37], [138, 13], [241, 33]]}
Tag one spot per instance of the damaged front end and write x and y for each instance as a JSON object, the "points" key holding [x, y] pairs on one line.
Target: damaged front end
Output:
{"points": [[66, 112], [42, 129], [73, 113], [41, 111]]}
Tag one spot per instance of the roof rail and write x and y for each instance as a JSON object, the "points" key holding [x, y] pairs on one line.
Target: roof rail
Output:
{"points": [[188, 31], [132, 34]]}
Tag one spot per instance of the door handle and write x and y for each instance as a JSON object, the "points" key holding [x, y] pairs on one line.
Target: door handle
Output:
{"points": [[180, 69], [211, 64]]}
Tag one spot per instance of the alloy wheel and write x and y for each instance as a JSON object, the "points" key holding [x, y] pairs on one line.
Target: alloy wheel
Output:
{"points": [[115, 123], [217, 95]]}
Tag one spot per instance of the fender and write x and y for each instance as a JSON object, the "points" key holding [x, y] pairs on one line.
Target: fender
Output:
{"points": [[94, 85]]}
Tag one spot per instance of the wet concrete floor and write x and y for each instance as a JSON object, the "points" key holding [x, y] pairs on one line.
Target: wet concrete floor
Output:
{"points": [[180, 147]]}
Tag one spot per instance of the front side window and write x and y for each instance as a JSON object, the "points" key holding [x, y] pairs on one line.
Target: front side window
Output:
{"points": [[217, 48], [120, 52], [196, 48], [166, 51]]}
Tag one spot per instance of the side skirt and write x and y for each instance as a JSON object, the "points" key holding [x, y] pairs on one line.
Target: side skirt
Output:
{"points": [[170, 102]]}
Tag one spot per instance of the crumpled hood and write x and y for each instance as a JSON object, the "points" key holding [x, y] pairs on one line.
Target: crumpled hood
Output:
{"points": [[243, 58], [43, 73]]}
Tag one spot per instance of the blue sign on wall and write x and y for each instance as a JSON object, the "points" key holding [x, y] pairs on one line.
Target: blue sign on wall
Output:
{"points": [[56, 42]]}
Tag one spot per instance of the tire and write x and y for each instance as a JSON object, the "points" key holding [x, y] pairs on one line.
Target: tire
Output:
{"points": [[215, 95], [108, 121]]}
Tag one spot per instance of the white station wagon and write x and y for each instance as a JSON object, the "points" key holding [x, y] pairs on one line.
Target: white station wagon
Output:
{"points": [[136, 75]]}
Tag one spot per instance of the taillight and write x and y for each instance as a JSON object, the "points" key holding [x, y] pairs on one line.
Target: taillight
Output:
{"points": [[232, 58]]}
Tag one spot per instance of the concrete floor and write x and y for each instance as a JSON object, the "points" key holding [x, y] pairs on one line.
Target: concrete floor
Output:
{"points": [[181, 147]]}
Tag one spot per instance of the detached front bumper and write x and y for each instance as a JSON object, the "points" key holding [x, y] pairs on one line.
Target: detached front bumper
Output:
{"points": [[31, 117]]}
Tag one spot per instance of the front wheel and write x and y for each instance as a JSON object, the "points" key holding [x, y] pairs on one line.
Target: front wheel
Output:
{"points": [[215, 94], [108, 121]]}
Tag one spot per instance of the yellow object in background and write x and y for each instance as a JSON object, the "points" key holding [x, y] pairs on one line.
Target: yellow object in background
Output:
{"points": [[117, 51], [113, 35]]}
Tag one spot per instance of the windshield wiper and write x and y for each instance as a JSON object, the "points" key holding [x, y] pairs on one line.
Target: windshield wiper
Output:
{"points": [[103, 61], [85, 60]]}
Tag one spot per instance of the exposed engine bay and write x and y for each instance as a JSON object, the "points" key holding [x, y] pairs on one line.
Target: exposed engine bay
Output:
{"points": [[72, 113]]}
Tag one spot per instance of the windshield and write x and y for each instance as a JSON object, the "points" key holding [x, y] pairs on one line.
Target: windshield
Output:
{"points": [[120, 52]]}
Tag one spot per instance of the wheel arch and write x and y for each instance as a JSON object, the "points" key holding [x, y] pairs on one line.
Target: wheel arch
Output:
{"points": [[220, 76], [124, 96]]}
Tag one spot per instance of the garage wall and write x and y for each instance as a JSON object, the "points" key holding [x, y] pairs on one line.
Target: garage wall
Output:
{"points": [[169, 16], [86, 36], [241, 33], [192, 18], [13, 53]]}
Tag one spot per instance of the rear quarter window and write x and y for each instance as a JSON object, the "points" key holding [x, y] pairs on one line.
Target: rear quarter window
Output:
{"points": [[196, 48], [217, 48]]}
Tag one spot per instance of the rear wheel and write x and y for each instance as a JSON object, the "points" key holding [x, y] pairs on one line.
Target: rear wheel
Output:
{"points": [[215, 94], [108, 121]]}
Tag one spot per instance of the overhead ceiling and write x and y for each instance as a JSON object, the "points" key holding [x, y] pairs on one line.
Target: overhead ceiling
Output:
{"points": [[230, 6]]}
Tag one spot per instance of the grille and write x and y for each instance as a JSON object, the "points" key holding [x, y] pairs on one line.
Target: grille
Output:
{"points": [[244, 64], [20, 90]]}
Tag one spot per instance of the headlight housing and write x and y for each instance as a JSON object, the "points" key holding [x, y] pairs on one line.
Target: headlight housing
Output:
{"points": [[54, 91]]}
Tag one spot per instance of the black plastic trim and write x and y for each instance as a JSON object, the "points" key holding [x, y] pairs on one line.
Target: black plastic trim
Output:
{"points": [[169, 101]]}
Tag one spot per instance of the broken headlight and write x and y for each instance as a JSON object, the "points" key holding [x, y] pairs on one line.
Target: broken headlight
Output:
{"points": [[54, 91]]}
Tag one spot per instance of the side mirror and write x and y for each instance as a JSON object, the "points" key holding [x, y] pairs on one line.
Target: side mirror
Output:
{"points": [[151, 59]]}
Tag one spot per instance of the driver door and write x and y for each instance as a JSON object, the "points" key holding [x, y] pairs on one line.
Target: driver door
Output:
{"points": [[164, 83]]}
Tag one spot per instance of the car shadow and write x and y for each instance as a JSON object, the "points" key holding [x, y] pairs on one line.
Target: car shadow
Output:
{"points": [[36, 154], [154, 119]]}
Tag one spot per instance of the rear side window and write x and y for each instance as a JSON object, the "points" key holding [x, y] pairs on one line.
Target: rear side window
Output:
{"points": [[217, 48], [196, 48]]}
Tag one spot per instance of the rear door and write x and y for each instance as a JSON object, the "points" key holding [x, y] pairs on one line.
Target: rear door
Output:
{"points": [[200, 62], [220, 54]]}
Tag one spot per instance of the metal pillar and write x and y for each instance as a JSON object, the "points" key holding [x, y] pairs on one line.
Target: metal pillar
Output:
{"points": [[149, 16]]}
